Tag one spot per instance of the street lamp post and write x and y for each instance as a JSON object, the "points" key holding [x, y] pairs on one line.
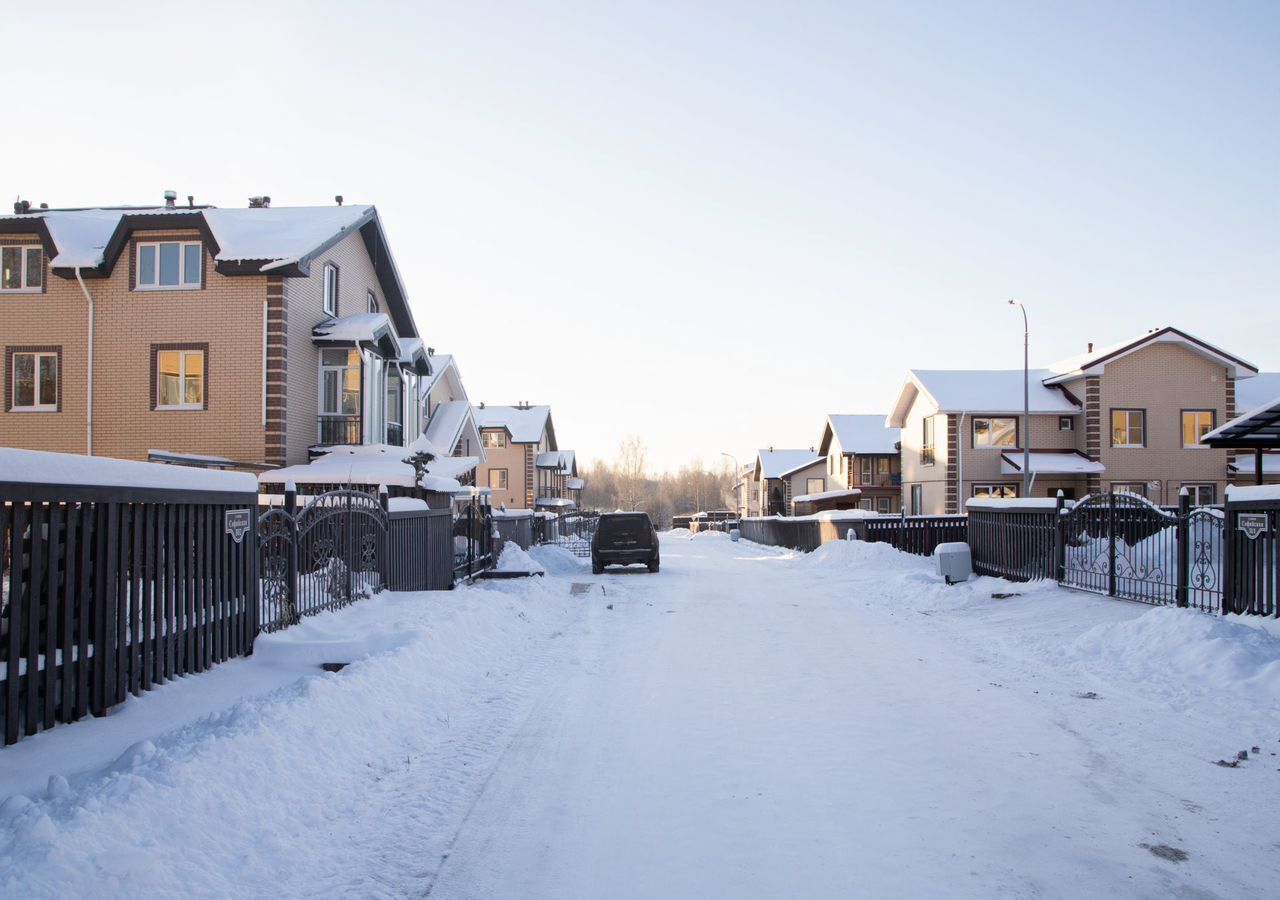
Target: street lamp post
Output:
{"points": [[737, 474], [1026, 401]]}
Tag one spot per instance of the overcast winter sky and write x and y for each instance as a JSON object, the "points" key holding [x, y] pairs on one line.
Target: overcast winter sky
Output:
{"points": [[708, 223]]}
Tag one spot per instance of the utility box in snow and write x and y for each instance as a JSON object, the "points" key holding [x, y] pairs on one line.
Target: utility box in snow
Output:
{"points": [[955, 562], [734, 534]]}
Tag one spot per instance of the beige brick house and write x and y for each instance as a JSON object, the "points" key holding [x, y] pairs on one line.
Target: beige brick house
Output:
{"points": [[1128, 417], [250, 334], [525, 468], [781, 475]]}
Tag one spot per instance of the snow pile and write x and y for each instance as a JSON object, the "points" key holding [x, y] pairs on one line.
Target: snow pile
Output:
{"points": [[1169, 643], [836, 556], [557, 560], [514, 559], [678, 533]]}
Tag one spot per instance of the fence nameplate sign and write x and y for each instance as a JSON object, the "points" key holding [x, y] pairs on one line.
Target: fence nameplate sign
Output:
{"points": [[237, 524], [1252, 524]]}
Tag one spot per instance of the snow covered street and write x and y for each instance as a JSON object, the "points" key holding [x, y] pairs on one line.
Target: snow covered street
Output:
{"points": [[747, 723]]}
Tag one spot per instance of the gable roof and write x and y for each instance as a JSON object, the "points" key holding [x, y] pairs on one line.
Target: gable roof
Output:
{"points": [[444, 365], [281, 240], [781, 463], [450, 422], [1094, 362], [525, 424], [859, 434], [979, 391]]}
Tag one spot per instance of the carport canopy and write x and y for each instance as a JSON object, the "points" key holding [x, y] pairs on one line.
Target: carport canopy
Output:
{"points": [[1257, 430]]}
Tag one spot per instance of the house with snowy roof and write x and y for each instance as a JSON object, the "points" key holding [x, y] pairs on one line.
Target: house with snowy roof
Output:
{"points": [[782, 475], [259, 335], [525, 468], [864, 468], [450, 420], [1129, 417]]}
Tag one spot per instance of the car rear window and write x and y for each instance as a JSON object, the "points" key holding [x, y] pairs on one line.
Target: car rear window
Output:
{"points": [[632, 528]]}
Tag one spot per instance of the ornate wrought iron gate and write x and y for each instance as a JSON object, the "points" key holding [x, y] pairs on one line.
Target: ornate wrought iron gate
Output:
{"points": [[1124, 546], [327, 555]]}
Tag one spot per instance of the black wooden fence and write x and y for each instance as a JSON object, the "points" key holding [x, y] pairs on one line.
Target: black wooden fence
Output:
{"points": [[1018, 544], [110, 591], [420, 550], [518, 529], [918, 535]]}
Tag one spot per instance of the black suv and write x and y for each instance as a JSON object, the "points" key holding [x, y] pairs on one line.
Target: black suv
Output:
{"points": [[623, 538]]}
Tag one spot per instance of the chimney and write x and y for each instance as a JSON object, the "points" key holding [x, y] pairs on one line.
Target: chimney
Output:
{"points": [[21, 206], [1091, 346], [482, 404], [191, 201], [170, 199], [338, 199], [44, 205], [260, 202]]}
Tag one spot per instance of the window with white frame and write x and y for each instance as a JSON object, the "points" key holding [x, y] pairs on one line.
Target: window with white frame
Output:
{"points": [[865, 503], [331, 289], [995, 432], [339, 382], [1128, 427], [1202, 494], [21, 268], [882, 465], [866, 466], [995, 491], [498, 479], [884, 505], [814, 486], [493, 440], [180, 379], [169, 265], [1066, 423], [1196, 423], [34, 380], [1138, 488]]}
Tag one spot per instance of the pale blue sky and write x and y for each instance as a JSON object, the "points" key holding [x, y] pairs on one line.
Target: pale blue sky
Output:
{"points": [[711, 226]]}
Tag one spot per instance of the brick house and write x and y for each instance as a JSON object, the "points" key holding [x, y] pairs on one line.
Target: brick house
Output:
{"points": [[1128, 417], [184, 329], [781, 475], [525, 468], [862, 454]]}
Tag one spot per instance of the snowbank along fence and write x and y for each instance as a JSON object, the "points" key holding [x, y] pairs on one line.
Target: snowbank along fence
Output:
{"points": [[108, 591]]}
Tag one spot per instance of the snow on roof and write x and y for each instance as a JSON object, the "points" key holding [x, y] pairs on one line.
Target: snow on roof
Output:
{"points": [[558, 502], [363, 327], [863, 433], [1258, 390], [525, 424], [1065, 463], [549, 460], [39, 467], [364, 464], [1043, 503], [266, 233], [448, 419], [568, 459], [576, 484], [827, 495], [1239, 494], [779, 463], [980, 391], [1074, 366], [452, 466]]}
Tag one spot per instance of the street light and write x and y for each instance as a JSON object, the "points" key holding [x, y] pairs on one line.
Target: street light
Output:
{"points": [[1026, 401], [737, 474]]}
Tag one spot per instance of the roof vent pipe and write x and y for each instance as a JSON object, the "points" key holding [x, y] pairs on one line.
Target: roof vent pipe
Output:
{"points": [[338, 199], [170, 199], [21, 206], [191, 201], [1091, 346], [259, 202]]}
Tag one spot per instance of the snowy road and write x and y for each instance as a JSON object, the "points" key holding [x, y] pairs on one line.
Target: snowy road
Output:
{"points": [[747, 723]]}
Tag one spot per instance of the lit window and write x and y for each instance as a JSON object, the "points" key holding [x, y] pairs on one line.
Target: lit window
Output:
{"points": [[995, 491], [814, 486], [498, 479], [988, 432], [169, 265], [1128, 427], [35, 382], [21, 268], [180, 379], [494, 440], [926, 443], [339, 382], [1196, 423]]}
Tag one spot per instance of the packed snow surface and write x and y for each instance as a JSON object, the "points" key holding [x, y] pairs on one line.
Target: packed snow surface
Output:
{"points": [[748, 723]]}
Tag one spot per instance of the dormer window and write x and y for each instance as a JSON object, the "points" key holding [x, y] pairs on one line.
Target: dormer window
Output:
{"points": [[21, 268], [331, 289], [373, 303], [169, 266]]}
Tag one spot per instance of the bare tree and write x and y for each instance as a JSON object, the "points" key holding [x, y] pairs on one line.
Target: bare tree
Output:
{"points": [[632, 483]]}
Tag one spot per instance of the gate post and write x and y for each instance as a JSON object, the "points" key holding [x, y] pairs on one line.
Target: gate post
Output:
{"points": [[1111, 542], [1183, 531], [1059, 545], [291, 565], [1229, 573]]}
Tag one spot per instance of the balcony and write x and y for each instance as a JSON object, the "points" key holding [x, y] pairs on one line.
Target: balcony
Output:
{"points": [[339, 430]]}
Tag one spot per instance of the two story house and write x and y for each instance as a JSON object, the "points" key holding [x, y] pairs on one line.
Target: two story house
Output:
{"points": [[450, 421], [746, 491], [1128, 418], [127, 330], [862, 454], [781, 475], [513, 437]]}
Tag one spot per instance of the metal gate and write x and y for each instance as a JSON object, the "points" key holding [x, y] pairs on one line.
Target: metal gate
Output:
{"points": [[573, 532], [327, 555], [1124, 546]]}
